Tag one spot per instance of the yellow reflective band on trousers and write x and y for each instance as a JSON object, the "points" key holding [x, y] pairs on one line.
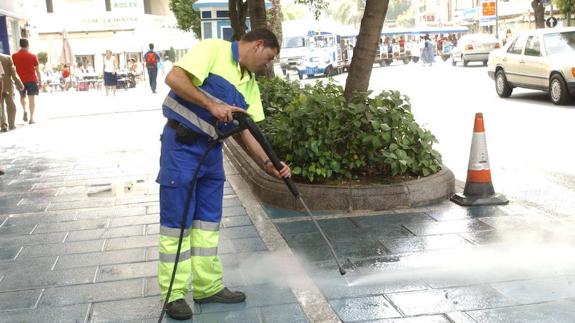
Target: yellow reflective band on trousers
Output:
{"points": [[198, 260]]}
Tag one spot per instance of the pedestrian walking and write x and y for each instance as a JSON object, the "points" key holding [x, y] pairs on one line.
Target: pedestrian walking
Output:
{"points": [[152, 59], [227, 72], [28, 70], [7, 104], [110, 73], [167, 66]]}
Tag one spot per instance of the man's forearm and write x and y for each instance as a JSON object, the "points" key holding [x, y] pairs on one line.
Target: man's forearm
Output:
{"points": [[254, 148]]}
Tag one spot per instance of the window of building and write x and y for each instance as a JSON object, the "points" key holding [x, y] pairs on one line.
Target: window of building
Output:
{"points": [[206, 14], [222, 14], [49, 6], [207, 28]]}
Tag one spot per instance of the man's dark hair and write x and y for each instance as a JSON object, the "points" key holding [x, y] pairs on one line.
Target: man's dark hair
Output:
{"points": [[270, 40], [151, 46], [24, 43]]}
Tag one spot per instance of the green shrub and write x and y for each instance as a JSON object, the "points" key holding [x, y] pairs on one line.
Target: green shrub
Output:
{"points": [[323, 138]]}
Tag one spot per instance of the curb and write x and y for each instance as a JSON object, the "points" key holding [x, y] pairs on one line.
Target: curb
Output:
{"points": [[416, 193]]}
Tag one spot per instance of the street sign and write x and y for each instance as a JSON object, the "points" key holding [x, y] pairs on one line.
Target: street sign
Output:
{"points": [[551, 22]]}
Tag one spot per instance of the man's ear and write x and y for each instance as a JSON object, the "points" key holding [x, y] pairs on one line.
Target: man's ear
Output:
{"points": [[258, 44]]}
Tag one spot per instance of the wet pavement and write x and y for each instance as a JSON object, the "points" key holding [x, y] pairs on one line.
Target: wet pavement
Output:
{"points": [[79, 229]]}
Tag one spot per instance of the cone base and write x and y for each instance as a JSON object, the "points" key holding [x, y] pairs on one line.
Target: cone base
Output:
{"points": [[495, 199]]}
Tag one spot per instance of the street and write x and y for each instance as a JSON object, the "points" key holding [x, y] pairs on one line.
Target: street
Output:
{"points": [[79, 219], [528, 138]]}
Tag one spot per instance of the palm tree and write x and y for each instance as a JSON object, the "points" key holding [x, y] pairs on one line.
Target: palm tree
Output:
{"points": [[364, 51]]}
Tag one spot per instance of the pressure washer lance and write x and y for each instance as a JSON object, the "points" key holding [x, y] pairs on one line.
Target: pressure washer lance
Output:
{"points": [[245, 122]]}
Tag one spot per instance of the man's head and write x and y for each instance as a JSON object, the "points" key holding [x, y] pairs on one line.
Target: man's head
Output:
{"points": [[258, 49], [151, 45], [24, 43]]}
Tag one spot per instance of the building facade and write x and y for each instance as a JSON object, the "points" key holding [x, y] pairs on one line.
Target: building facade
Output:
{"points": [[13, 24], [91, 27]]}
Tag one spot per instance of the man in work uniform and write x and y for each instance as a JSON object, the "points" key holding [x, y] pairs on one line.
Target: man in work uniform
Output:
{"points": [[214, 79]]}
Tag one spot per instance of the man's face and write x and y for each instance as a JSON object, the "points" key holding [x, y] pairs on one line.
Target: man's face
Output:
{"points": [[259, 57]]}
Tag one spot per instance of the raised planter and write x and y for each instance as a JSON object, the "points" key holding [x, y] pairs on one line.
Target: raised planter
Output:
{"points": [[421, 192]]}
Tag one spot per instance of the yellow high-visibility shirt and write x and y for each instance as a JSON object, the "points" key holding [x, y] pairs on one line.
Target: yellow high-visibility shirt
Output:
{"points": [[221, 58]]}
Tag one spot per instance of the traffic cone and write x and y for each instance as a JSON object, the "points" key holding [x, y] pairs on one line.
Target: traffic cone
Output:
{"points": [[478, 187]]}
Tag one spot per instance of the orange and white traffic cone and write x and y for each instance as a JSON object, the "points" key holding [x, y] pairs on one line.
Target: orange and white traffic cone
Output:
{"points": [[478, 187]]}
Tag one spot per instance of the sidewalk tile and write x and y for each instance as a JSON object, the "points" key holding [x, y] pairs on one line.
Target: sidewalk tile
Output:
{"points": [[292, 313], [561, 311], [132, 242], [236, 221], [439, 301], [56, 249], [229, 202], [256, 296], [128, 271], [18, 300], [538, 290], [456, 226], [363, 308], [90, 293], [72, 225], [34, 279], [32, 239], [238, 232], [66, 314], [101, 258], [245, 315], [95, 234], [417, 244], [134, 220], [114, 212], [233, 211], [9, 253], [417, 319], [135, 309]]}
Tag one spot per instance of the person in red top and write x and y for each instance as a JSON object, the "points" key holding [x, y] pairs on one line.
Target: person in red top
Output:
{"points": [[27, 68]]}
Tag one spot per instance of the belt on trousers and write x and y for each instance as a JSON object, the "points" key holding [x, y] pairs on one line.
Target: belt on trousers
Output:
{"points": [[184, 135], [172, 123]]}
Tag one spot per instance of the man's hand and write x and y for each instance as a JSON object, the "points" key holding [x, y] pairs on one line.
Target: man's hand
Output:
{"points": [[223, 112], [283, 173]]}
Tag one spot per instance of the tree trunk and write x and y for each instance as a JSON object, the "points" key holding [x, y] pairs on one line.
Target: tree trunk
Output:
{"points": [[276, 18], [238, 10], [539, 13], [258, 20], [257, 14], [365, 48]]}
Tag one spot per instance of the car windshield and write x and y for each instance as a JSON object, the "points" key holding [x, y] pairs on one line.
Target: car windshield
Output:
{"points": [[293, 42], [557, 43]]}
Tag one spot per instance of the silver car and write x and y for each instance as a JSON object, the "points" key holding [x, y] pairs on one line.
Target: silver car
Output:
{"points": [[474, 48], [541, 59]]}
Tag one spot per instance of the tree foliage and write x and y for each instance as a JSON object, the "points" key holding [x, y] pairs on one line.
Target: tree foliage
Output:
{"points": [[567, 7], [187, 18]]}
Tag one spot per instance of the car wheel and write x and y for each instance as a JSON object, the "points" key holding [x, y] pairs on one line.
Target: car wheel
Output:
{"points": [[415, 59], [502, 87], [465, 62], [558, 90], [300, 76], [453, 62], [484, 63]]}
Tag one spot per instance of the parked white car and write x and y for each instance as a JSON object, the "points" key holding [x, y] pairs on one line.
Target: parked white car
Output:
{"points": [[541, 59], [474, 48]]}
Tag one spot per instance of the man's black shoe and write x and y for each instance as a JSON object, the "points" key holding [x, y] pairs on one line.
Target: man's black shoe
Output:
{"points": [[179, 310], [224, 296]]}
